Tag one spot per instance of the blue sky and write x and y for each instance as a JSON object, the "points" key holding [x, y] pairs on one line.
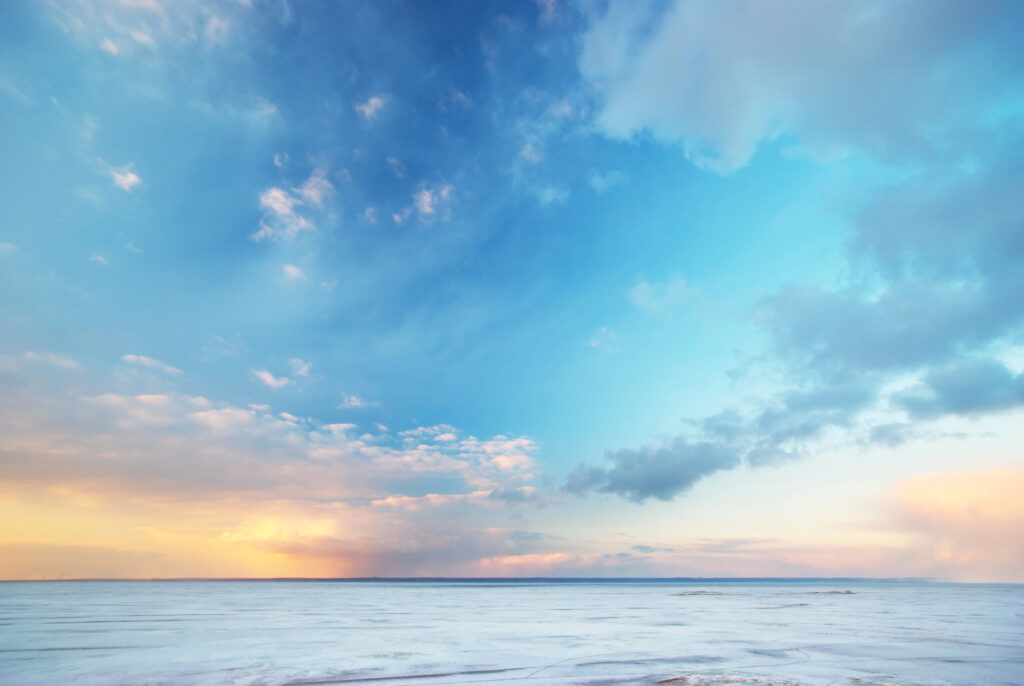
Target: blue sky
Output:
{"points": [[609, 251]]}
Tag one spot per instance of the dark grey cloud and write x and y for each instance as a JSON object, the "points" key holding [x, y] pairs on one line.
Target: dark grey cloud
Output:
{"points": [[938, 265], [949, 253], [964, 388], [660, 472]]}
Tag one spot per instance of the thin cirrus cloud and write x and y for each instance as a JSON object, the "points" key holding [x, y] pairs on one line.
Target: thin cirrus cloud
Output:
{"points": [[150, 363]]}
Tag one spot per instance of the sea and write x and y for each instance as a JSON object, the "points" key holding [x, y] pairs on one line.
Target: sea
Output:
{"points": [[427, 632]]}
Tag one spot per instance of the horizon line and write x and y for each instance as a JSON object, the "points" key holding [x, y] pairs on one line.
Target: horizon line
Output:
{"points": [[531, 579]]}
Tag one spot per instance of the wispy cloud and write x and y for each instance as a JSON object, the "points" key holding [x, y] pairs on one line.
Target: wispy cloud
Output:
{"points": [[356, 402], [55, 359], [143, 361], [268, 379]]}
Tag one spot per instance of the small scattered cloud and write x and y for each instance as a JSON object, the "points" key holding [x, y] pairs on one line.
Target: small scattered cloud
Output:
{"points": [[279, 201], [371, 107], [125, 177], [110, 47], [7, 249], [316, 188], [356, 402], [143, 361], [424, 201], [292, 273], [268, 379], [400, 216], [370, 215], [428, 201], [99, 258], [282, 219]]}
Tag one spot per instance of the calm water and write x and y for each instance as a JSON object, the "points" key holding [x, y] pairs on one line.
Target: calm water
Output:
{"points": [[279, 632]]}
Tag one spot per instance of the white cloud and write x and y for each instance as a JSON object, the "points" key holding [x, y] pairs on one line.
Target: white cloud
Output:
{"points": [[125, 177], [98, 258], [62, 361], [7, 249], [282, 220], [300, 367], [659, 298], [371, 107], [720, 79], [292, 273], [143, 361], [316, 187], [110, 47], [400, 217], [428, 201], [370, 214], [355, 402], [423, 201], [280, 159], [268, 379], [279, 201]]}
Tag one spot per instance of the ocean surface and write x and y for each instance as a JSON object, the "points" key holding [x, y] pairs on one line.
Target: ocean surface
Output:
{"points": [[425, 633]]}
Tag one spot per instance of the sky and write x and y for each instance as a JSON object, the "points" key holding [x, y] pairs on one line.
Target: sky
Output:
{"points": [[529, 288]]}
